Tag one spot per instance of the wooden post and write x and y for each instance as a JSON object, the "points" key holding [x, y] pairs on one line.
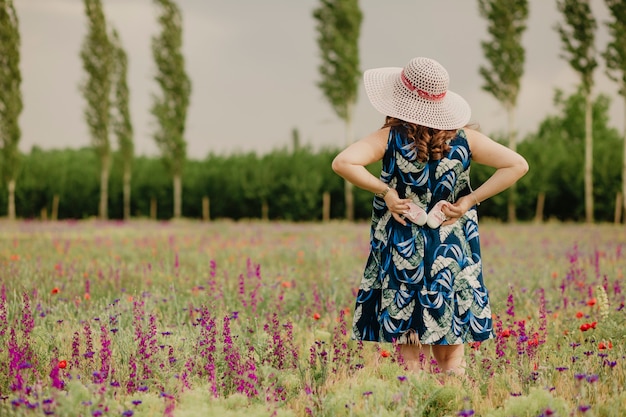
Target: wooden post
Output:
{"points": [[618, 208], [541, 201], [153, 208], [326, 206], [206, 205], [265, 211], [349, 196], [44, 214], [55, 208]]}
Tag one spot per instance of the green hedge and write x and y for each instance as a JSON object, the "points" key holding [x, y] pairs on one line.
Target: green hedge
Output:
{"points": [[291, 183]]}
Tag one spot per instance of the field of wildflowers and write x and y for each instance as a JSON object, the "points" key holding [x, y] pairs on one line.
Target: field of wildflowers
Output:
{"points": [[249, 318]]}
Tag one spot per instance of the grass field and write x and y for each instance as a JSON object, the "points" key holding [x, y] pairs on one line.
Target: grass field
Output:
{"points": [[248, 318]]}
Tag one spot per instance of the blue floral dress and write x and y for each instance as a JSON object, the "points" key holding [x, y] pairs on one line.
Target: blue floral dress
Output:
{"points": [[421, 283]]}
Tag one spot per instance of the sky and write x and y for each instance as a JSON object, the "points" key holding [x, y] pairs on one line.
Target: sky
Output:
{"points": [[253, 67]]}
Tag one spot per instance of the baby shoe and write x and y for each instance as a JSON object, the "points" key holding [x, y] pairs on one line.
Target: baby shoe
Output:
{"points": [[416, 214], [436, 216]]}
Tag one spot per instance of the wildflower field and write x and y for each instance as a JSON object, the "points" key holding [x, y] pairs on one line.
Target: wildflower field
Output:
{"points": [[253, 319]]}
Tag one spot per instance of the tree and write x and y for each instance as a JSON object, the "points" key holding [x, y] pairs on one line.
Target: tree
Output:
{"points": [[615, 56], [506, 55], [97, 56], [578, 44], [10, 98], [170, 107], [122, 124], [339, 28], [557, 150]]}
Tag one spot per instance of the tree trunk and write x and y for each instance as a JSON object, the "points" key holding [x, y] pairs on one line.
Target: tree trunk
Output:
{"points": [[541, 202], [104, 188], [326, 206], [178, 196], [624, 166], [206, 209], [588, 159], [126, 191], [54, 214], [153, 208], [617, 219], [349, 195], [265, 210], [512, 192], [11, 208]]}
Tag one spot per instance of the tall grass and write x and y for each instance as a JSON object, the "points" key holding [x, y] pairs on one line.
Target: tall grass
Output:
{"points": [[230, 319]]}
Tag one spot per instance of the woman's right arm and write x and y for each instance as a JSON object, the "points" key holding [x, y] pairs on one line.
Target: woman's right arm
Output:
{"points": [[510, 166]]}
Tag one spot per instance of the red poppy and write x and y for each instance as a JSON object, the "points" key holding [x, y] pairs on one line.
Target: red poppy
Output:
{"points": [[62, 364], [591, 302], [586, 326], [316, 316], [385, 353], [579, 314], [475, 345], [605, 345], [506, 333], [55, 290]]}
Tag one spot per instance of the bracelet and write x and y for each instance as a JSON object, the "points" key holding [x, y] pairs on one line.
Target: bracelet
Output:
{"points": [[384, 193], [475, 199]]}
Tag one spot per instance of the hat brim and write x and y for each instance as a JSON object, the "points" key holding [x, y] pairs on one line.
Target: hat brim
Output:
{"points": [[389, 96]]}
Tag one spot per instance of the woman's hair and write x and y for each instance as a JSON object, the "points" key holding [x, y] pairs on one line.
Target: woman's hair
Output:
{"points": [[430, 144]]}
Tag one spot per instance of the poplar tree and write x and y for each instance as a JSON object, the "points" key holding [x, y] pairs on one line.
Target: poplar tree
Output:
{"points": [[339, 27], [615, 57], [98, 59], [122, 124], [10, 98], [578, 36], [505, 55], [170, 106]]}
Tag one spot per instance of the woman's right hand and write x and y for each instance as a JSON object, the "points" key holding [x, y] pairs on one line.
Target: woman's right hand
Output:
{"points": [[457, 210]]}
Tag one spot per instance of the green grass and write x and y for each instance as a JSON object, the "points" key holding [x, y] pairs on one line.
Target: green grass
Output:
{"points": [[249, 318]]}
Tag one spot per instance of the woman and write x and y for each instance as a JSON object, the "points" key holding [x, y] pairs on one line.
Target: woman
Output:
{"points": [[423, 286]]}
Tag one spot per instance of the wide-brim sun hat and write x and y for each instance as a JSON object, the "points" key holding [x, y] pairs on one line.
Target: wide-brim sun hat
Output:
{"points": [[417, 93]]}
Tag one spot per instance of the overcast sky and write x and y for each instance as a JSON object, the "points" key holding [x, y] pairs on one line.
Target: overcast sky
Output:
{"points": [[253, 66]]}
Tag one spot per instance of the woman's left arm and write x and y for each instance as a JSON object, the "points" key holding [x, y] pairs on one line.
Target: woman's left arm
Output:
{"points": [[351, 162]]}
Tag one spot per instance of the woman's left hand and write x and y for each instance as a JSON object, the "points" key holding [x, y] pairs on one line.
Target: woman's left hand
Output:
{"points": [[455, 211]]}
